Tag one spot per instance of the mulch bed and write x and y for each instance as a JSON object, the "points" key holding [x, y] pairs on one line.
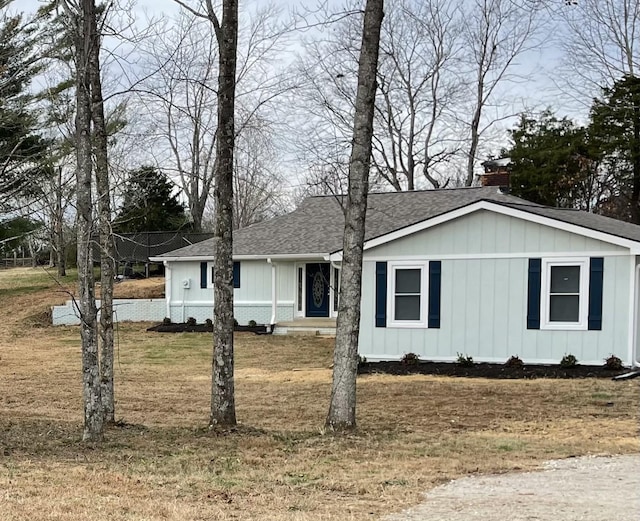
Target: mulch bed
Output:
{"points": [[497, 371], [203, 328]]}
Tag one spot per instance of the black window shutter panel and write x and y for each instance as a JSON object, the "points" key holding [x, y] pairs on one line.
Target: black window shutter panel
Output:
{"points": [[596, 272], [203, 275], [381, 294], [236, 274], [533, 299], [435, 270]]}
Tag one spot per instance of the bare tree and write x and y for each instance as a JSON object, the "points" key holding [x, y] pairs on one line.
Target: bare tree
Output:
{"points": [[223, 409], [342, 409], [181, 97], [601, 44], [415, 131], [417, 88], [83, 20], [107, 250], [496, 33], [258, 186]]}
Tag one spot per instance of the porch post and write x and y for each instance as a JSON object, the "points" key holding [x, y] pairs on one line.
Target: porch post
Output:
{"points": [[274, 291], [167, 287], [634, 300]]}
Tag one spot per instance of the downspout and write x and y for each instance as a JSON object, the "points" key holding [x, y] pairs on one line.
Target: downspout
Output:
{"points": [[633, 350], [167, 287], [274, 293]]}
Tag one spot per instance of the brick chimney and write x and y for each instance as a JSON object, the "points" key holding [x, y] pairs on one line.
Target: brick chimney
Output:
{"points": [[496, 172]]}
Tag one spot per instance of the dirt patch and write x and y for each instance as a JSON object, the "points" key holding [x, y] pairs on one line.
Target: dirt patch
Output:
{"points": [[494, 371], [139, 288]]}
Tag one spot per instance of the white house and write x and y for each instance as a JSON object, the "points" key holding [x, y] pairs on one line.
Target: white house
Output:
{"points": [[472, 271]]}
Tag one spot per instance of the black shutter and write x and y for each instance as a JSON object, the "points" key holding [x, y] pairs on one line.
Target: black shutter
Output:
{"points": [[236, 274], [533, 300], [381, 294], [203, 275], [595, 293], [435, 269]]}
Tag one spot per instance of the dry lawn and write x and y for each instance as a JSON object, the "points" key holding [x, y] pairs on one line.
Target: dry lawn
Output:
{"points": [[160, 462]]}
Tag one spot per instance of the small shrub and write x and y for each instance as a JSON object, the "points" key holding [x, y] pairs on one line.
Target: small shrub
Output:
{"points": [[410, 359], [465, 360], [191, 321], [208, 322], [568, 361], [166, 321], [514, 361], [252, 323], [613, 362]]}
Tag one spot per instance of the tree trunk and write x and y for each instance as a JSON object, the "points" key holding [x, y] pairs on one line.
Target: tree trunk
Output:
{"points": [[342, 409], [223, 412], [107, 267], [58, 229], [93, 416], [475, 137]]}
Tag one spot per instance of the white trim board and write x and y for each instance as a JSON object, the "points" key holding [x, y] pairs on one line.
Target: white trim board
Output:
{"points": [[633, 246], [483, 256]]}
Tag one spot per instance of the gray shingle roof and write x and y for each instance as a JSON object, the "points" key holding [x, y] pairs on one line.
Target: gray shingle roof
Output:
{"points": [[316, 226], [587, 220]]}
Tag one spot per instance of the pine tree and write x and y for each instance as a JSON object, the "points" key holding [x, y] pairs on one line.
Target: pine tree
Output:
{"points": [[149, 204], [552, 162], [615, 130], [21, 149]]}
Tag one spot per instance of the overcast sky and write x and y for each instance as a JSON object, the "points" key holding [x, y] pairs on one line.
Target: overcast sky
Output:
{"points": [[536, 93]]}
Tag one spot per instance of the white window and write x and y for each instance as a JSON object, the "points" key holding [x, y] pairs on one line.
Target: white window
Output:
{"points": [[565, 293], [407, 294]]}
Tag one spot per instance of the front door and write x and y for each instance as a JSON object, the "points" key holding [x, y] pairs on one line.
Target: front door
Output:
{"points": [[317, 290]]}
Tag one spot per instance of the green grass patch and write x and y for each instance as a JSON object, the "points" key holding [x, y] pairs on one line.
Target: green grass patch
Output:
{"points": [[601, 396], [22, 290], [510, 445]]}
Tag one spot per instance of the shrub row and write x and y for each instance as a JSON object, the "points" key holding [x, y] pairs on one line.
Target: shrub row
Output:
{"points": [[567, 361]]}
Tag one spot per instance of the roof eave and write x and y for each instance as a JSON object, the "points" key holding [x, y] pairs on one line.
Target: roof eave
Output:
{"points": [[279, 256]]}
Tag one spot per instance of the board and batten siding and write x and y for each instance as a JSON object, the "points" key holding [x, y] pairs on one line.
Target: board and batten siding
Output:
{"points": [[485, 232], [484, 299], [252, 300]]}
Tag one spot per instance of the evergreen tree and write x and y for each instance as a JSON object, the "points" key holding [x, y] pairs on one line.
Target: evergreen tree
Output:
{"points": [[149, 204], [21, 149], [552, 163], [615, 130]]}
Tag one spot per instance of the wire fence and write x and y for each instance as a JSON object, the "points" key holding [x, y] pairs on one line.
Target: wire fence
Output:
{"points": [[138, 247]]}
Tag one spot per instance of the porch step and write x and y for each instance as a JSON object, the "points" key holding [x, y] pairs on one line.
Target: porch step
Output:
{"points": [[307, 327], [304, 331]]}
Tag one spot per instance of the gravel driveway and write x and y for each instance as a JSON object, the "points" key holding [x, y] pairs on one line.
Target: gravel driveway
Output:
{"points": [[578, 489]]}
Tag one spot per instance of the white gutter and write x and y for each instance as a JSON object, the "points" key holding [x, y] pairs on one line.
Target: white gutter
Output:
{"points": [[209, 258]]}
